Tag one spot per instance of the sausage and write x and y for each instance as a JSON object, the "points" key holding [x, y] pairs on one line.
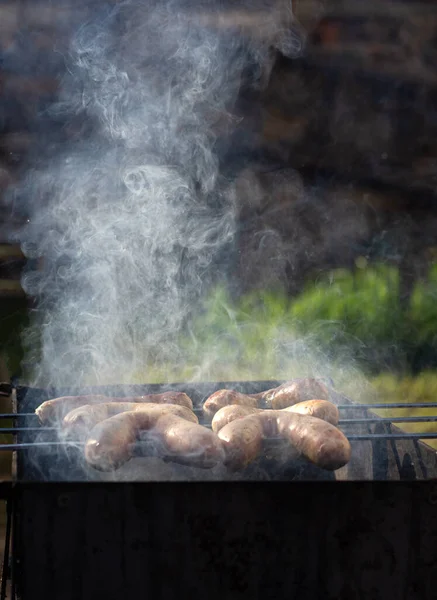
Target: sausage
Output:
{"points": [[293, 392], [53, 411], [322, 409], [287, 394], [110, 443], [230, 413], [318, 441], [79, 422], [223, 398]]}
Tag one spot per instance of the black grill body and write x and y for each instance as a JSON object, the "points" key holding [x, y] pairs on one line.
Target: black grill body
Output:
{"points": [[306, 540]]}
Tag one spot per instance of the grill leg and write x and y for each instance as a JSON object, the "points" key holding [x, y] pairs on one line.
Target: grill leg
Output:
{"points": [[5, 566]]}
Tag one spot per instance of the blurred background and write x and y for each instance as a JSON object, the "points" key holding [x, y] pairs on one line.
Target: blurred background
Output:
{"points": [[337, 236]]}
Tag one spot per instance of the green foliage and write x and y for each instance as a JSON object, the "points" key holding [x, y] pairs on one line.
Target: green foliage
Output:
{"points": [[423, 309], [13, 318], [343, 323], [350, 319], [363, 305]]}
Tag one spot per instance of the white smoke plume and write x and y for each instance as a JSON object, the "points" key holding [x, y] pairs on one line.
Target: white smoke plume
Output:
{"points": [[131, 220]]}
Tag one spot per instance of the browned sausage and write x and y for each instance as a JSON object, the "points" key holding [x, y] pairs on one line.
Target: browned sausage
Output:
{"points": [[287, 394], [322, 409], [179, 398], [230, 413], [293, 392], [318, 441], [52, 411], [79, 422], [55, 410], [226, 397], [110, 443]]}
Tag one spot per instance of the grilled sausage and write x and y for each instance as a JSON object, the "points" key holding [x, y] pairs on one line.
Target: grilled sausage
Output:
{"points": [[319, 442], [110, 443], [223, 398], [79, 422], [230, 413], [293, 392], [53, 411], [287, 394], [322, 409]]}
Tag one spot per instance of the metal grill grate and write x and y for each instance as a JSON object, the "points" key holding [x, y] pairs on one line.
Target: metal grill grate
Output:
{"points": [[348, 425], [393, 450], [382, 450]]}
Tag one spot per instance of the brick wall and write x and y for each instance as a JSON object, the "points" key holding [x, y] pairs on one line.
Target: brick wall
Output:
{"points": [[359, 104], [361, 101]]}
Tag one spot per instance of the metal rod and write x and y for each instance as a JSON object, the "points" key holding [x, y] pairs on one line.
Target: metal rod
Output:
{"points": [[350, 406], [357, 421], [384, 420], [341, 423], [353, 437], [390, 405], [27, 429], [14, 553], [5, 566], [31, 445], [393, 436], [17, 415]]}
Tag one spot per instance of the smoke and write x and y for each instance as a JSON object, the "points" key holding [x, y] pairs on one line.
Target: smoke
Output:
{"points": [[131, 221]]}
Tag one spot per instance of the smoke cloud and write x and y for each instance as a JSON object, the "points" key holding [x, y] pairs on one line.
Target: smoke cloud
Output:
{"points": [[131, 221]]}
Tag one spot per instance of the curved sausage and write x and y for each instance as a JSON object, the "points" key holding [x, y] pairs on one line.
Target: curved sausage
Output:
{"points": [[319, 442], [52, 411], [79, 422], [322, 409], [110, 443], [293, 392], [223, 398], [287, 394], [230, 413]]}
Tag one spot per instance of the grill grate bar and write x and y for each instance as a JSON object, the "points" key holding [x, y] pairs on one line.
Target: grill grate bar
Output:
{"points": [[388, 406], [197, 410], [393, 436], [31, 445], [18, 416], [352, 437], [432, 419], [342, 422], [27, 429]]}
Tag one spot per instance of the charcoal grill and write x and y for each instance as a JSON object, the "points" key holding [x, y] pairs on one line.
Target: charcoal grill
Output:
{"points": [[367, 531]]}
